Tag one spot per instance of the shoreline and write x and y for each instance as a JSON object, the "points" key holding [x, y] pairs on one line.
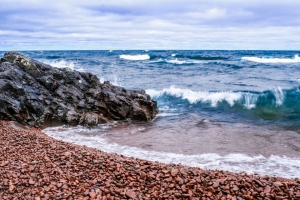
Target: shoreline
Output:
{"points": [[35, 166]]}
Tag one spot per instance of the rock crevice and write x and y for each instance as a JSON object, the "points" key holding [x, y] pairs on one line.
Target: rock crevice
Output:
{"points": [[36, 94]]}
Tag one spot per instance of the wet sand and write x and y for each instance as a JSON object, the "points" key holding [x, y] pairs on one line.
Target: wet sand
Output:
{"points": [[35, 166]]}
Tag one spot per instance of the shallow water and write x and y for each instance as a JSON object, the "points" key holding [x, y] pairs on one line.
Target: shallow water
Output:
{"points": [[197, 142], [197, 135]]}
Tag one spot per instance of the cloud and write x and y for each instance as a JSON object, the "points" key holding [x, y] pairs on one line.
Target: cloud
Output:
{"points": [[133, 24]]}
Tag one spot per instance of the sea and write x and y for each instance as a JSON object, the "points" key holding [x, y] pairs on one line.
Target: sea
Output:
{"points": [[218, 109]]}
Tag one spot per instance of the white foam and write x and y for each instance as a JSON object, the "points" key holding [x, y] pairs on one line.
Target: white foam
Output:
{"points": [[179, 62], [114, 80], [272, 166], [167, 114], [176, 61], [173, 55], [250, 100], [64, 64], [279, 95], [135, 57], [198, 96], [296, 59], [157, 61]]}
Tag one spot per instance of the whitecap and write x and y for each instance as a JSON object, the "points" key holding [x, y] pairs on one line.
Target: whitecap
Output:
{"points": [[181, 62], [178, 62], [64, 64], [135, 57], [296, 59], [167, 114], [198, 96]]}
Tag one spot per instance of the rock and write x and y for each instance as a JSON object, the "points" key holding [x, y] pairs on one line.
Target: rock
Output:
{"points": [[267, 189], [216, 184], [89, 119], [36, 94], [277, 184], [130, 194]]}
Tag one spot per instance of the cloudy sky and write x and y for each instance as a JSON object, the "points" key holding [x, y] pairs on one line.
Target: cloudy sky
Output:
{"points": [[149, 24]]}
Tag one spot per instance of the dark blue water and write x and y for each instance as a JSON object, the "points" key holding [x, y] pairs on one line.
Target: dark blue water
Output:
{"points": [[212, 104]]}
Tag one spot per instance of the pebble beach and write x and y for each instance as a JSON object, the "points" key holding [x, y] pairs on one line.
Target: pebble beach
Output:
{"points": [[35, 166]]}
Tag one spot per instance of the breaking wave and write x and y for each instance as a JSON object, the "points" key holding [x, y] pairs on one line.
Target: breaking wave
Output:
{"points": [[276, 96], [275, 105], [64, 64], [135, 57], [269, 59], [197, 96]]}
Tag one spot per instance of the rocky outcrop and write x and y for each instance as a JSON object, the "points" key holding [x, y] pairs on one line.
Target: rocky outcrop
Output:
{"points": [[36, 94]]}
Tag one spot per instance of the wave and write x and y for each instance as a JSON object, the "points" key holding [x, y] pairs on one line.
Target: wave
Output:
{"points": [[174, 61], [296, 59], [166, 114], [276, 104], [197, 96], [53, 57], [272, 166], [248, 99], [61, 64], [179, 62], [135, 57], [207, 58]]}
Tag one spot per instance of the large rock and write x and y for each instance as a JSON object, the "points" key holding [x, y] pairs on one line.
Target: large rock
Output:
{"points": [[36, 94]]}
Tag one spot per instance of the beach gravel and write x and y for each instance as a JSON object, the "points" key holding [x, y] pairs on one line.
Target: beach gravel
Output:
{"points": [[35, 166]]}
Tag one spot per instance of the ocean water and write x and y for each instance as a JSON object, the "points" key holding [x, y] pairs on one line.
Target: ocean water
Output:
{"points": [[227, 110]]}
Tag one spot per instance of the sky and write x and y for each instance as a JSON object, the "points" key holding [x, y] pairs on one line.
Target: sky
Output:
{"points": [[149, 24]]}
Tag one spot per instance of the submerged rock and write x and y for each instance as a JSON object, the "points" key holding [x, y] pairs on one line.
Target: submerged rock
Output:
{"points": [[37, 94]]}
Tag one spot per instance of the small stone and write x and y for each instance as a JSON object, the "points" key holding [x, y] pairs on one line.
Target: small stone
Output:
{"points": [[92, 195], [211, 189], [267, 189], [174, 172], [235, 188], [248, 197], [11, 187], [277, 184], [258, 182], [279, 198], [59, 185], [226, 187], [216, 184], [130, 194], [67, 154], [222, 181]]}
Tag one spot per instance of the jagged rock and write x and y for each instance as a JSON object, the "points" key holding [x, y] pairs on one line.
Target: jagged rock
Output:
{"points": [[36, 94]]}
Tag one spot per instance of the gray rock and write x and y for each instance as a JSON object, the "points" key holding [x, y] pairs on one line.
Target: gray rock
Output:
{"points": [[36, 94]]}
